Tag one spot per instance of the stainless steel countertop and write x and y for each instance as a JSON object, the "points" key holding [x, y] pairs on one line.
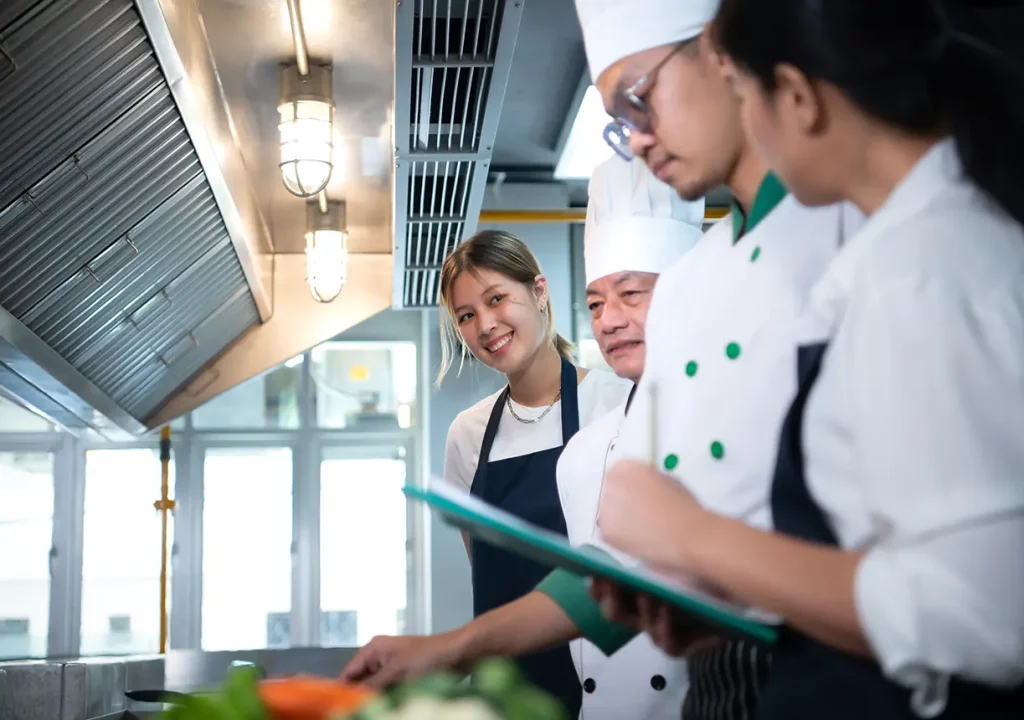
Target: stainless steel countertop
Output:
{"points": [[94, 688]]}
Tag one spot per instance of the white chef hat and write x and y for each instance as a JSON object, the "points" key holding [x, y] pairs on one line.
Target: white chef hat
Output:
{"points": [[635, 222], [614, 29]]}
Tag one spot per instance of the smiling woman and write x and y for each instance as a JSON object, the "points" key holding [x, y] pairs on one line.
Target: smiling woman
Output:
{"points": [[505, 449]]}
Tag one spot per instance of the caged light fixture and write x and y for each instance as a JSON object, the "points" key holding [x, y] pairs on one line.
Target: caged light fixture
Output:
{"points": [[326, 249], [306, 128]]}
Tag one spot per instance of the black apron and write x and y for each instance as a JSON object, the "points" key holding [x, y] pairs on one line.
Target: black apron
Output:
{"points": [[526, 487], [810, 680], [726, 681]]}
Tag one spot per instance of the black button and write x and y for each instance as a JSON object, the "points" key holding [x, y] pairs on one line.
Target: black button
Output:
{"points": [[589, 685], [658, 683]]}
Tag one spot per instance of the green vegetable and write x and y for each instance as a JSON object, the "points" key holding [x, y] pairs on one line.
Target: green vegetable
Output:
{"points": [[496, 677], [241, 691], [237, 699]]}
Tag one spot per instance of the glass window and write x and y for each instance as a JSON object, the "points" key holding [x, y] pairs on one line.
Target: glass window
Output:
{"points": [[365, 385], [26, 536], [363, 561], [121, 552], [247, 536], [15, 418], [270, 400]]}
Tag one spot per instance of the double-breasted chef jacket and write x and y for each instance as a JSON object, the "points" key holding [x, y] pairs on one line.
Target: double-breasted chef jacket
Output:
{"points": [[638, 682]]}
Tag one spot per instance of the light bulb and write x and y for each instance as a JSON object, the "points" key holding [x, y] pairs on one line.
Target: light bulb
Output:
{"points": [[307, 146], [326, 263]]}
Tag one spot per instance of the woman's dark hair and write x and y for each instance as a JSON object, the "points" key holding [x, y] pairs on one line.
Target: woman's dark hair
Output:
{"points": [[919, 65]]}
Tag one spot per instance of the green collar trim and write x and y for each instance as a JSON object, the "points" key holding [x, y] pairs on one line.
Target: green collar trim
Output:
{"points": [[770, 194]]}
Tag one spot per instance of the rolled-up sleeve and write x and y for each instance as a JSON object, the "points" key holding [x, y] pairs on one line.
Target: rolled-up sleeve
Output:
{"points": [[571, 594], [938, 448]]}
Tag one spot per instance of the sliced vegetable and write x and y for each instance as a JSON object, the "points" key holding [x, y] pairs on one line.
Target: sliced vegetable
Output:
{"points": [[305, 697]]}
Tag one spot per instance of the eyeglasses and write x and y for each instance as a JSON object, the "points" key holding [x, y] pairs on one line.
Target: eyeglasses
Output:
{"points": [[631, 113]]}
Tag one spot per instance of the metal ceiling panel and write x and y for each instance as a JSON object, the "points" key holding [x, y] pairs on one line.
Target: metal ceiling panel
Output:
{"points": [[113, 252], [452, 66]]}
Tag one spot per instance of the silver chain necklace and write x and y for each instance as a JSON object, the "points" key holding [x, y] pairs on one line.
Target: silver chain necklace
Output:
{"points": [[529, 421]]}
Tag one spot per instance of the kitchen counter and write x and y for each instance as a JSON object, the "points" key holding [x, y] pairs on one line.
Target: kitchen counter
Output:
{"points": [[94, 688]]}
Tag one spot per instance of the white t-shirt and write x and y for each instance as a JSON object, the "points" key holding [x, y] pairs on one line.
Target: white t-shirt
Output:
{"points": [[599, 392]]}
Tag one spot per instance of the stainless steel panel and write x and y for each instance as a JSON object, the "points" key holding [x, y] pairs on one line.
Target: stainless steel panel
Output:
{"points": [[92, 689], [229, 322], [191, 670], [83, 210], [25, 354], [87, 58], [452, 64], [33, 690], [104, 209], [40, 402], [178, 34]]}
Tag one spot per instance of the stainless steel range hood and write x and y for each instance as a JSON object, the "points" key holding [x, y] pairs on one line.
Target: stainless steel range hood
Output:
{"points": [[138, 270]]}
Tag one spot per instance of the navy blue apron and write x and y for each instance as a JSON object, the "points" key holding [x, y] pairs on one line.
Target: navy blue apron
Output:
{"points": [[526, 487], [810, 680]]}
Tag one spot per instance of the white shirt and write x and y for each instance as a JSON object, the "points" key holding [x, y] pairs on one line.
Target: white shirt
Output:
{"points": [[598, 393], [721, 354], [914, 432], [623, 682]]}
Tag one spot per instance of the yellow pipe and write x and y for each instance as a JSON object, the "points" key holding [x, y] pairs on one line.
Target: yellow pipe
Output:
{"points": [[164, 505], [569, 215]]}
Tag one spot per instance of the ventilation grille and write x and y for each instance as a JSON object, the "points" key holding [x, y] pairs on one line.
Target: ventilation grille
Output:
{"points": [[453, 58], [112, 249], [453, 80], [438, 194]]}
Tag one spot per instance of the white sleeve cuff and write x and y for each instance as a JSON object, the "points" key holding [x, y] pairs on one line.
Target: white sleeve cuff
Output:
{"points": [[885, 608]]}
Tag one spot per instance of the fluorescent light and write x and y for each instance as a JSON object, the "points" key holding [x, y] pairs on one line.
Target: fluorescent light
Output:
{"points": [[585, 148]]}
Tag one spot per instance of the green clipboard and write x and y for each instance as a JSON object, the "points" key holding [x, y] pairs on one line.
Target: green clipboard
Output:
{"points": [[508, 532]]}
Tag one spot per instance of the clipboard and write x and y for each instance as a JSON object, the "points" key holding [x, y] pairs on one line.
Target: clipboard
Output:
{"points": [[504, 530]]}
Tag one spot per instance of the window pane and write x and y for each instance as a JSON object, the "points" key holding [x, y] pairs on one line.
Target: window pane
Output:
{"points": [[15, 418], [121, 552], [268, 401], [365, 385], [26, 535], [363, 532], [247, 536]]}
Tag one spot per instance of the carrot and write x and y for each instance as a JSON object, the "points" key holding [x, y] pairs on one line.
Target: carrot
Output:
{"points": [[304, 697]]}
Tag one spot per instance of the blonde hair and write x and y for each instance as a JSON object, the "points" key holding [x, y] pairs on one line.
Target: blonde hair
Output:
{"points": [[500, 252]]}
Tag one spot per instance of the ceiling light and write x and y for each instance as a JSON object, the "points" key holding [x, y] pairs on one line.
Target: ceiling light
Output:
{"points": [[306, 129], [326, 250], [585, 147]]}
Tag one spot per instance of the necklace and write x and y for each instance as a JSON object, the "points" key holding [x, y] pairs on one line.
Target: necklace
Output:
{"points": [[529, 421]]}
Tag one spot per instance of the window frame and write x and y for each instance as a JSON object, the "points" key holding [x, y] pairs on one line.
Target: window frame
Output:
{"points": [[189, 446]]}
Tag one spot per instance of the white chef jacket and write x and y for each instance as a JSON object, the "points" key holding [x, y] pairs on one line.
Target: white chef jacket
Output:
{"points": [[721, 354], [638, 682], [914, 431]]}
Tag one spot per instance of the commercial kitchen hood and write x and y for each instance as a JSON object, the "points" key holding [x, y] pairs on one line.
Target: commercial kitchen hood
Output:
{"points": [[147, 261]]}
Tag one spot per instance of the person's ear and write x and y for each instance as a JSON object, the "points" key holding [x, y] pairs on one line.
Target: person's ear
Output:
{"points": [[798, 98], [540, 292]]}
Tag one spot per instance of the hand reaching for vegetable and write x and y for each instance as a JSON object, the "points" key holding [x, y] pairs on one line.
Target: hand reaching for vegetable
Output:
{"points": [[667, 628], [387, 660]]}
